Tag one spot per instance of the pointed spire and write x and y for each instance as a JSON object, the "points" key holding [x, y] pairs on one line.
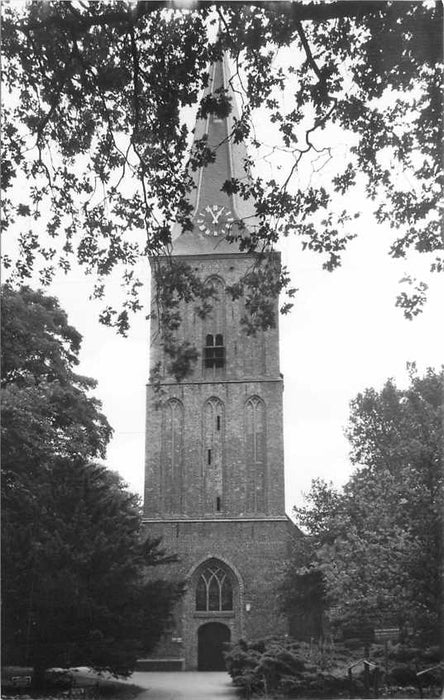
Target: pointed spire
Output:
{"points": [[216, 212]]}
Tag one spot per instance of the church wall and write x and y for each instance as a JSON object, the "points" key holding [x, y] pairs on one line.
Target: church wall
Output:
{"points": [[236, 481], [247, 356], [255, 550], [227, 508], [214, 487], [251, 369]]}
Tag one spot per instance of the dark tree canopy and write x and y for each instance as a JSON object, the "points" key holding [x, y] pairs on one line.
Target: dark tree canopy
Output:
{"points": [[377, 544], [75, 589], [38, 344], [46, 407], [74, 561], [95, 128]]}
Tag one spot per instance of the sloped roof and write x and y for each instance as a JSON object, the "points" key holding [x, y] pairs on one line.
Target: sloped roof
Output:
{"points": [[207, 197]]}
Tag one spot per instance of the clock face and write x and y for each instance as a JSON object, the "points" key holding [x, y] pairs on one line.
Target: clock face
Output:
{"points": [[214, 220]]}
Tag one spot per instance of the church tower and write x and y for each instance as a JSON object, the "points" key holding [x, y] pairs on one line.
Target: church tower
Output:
{"points": [[214, 481]]}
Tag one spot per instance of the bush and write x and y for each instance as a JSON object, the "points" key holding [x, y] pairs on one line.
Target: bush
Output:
{"points": [[364, 632], [297, 669], [286, 666], [354, 643], [402, 675], [240, 660], [58, 679], [432, 654], [314, 685], [403, 652]]}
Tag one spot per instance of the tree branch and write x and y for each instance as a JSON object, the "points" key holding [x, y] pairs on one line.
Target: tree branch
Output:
{"points": [[294, 10], [136, 71], [308, 52], [55, 99]]}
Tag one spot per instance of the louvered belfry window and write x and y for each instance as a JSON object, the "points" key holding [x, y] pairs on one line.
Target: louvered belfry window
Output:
{"points": [[214, 351], [214, 358]]}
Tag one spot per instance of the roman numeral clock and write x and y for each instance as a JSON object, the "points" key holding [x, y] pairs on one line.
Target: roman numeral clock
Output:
{"points": [[214, 220]]}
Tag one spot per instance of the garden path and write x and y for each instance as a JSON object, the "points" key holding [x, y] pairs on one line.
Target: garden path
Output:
{"points": [[185, 685]]}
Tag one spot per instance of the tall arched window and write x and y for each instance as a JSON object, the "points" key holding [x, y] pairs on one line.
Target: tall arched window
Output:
{"points": [[172, 456], [214, 589], [256, 454], [213, 455]]}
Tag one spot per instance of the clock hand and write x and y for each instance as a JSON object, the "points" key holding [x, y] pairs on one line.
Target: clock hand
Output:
{"points": [[214, 216]]}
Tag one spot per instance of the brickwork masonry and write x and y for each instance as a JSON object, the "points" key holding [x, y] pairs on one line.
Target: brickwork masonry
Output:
{"points": [[214, 485], [255, 551]]}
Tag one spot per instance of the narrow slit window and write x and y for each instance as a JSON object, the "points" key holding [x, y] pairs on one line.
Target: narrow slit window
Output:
{"points": [[217, 422], [209, 456], [218, 504]]}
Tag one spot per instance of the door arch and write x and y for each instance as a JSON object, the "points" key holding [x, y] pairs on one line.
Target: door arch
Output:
{"points": [[211, 639]]}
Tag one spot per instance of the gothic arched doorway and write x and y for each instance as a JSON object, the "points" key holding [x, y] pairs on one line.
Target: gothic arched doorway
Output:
{"points": [[211, 640]]}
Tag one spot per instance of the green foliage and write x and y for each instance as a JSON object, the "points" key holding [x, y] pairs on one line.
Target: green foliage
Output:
{"points": [[302, 592], [46, 407], [38, 343], [406, 660], [74, 573], [377, 544], [177, 284], [95, 130], [74, 561], [287, 667]]}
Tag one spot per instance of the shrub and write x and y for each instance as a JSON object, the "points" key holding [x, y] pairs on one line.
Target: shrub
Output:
{"points": [[240, 660], [288, 667], [432, 654], [403, 652], [297, 669], [353, 643], [314, 685], [403, 675]]}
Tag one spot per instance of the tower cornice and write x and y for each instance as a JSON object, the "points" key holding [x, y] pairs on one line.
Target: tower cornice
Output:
{"points": [[265, 519], [251, 380], [217, 256]]}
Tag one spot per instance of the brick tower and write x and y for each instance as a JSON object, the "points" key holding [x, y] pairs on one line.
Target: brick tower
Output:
{"points": [[214, 483]]}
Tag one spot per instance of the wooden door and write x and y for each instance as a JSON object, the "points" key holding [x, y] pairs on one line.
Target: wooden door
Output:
{"points": [[211, 640]]}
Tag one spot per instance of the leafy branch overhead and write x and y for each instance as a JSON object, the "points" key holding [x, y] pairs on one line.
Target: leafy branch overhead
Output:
{"points": [[96, 142]]}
